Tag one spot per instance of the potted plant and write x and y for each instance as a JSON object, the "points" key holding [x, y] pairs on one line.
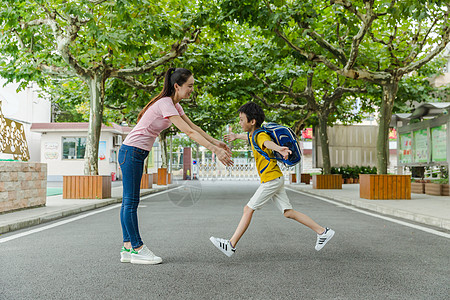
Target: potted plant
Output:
{"points": [[350, 174], [346, 174], [354, 171], [357, 172]]}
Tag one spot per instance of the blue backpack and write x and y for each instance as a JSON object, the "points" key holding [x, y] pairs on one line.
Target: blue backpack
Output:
{"points": [[282, 136]]}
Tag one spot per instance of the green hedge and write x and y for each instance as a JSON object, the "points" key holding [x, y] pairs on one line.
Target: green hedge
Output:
{"points": [[353, 172]]}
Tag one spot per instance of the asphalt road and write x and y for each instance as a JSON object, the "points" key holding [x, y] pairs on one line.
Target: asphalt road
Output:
{"points": [[368, 258]]}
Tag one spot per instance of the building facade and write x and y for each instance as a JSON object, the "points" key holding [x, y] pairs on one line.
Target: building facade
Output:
{"points": [[25, 107], [63, 145]]}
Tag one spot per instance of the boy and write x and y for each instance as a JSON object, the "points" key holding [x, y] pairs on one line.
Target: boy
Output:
{"points": [[251, 116]]}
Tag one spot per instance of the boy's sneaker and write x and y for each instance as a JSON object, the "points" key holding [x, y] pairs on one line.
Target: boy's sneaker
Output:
{"points": [[125, 255], [223, 245], [323, 238], [144, 257]]}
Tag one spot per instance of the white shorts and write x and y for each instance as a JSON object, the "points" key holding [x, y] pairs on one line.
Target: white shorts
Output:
{"points": [[274, 190]]}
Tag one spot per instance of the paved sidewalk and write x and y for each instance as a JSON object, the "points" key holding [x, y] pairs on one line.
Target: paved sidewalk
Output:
{"points": [[426, 209], [57, 207]]}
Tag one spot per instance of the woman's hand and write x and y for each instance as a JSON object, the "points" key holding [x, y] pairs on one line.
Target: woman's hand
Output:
{"points": [[224, 156], [222, 145]]}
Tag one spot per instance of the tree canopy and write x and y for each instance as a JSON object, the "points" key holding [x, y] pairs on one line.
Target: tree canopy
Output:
{"points": [[379, 42], [93, 41], [107, 57]]}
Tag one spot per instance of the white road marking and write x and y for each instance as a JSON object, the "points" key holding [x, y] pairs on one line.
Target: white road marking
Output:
{"points": [[347, 206], [22, 234]]}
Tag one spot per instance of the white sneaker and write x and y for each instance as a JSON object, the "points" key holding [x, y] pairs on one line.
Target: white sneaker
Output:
{"points": [[125, 255], [223, 245], [323, 238], [144, 257]]}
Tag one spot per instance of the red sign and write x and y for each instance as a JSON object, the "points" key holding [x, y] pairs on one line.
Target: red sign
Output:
{"points": [[392, 134], [307, 133]]}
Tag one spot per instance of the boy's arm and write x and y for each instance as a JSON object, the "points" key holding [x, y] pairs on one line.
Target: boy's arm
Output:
{"points": [[284, 151], [233, 136], [204, 134]]}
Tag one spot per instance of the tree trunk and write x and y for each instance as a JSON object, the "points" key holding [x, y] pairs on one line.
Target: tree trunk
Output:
{"points": [[323, 136], [146, 164], [96, 93], [387, 104], [163, 141]]}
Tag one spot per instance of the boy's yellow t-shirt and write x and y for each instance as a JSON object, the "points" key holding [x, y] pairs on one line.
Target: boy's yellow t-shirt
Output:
{"points": [[273, 170]]}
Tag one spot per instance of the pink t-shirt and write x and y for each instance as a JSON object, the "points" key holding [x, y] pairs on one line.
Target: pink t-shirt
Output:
{"points": [[154, 120]]}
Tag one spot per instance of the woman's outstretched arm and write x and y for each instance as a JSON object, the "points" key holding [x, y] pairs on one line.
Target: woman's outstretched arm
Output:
{"points": [[224, 155]]}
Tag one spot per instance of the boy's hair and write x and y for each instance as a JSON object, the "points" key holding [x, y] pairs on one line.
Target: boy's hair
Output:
{"points": [[253, 112]]}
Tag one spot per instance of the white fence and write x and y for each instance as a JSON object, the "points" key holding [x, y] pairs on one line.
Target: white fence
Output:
{"points": [[209, 168], [239, 171]]}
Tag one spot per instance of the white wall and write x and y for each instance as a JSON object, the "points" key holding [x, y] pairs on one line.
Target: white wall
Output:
{"points": [[57, 167], [27, 108], [441, 80]]}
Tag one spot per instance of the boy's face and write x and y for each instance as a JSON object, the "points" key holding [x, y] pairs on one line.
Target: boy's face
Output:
{"points": [[245, 124]]}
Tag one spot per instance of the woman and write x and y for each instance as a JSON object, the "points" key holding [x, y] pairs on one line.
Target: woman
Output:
{"points": [[157, 115]]}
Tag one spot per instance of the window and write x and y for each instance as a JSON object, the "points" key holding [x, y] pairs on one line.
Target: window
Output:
{"points": [[73, 147]]}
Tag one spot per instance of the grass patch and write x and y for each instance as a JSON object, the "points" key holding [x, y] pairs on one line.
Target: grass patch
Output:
{"points": [[52, 191]]}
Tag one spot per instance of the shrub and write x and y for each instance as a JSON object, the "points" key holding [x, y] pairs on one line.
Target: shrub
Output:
{"points": [[440, 181]]}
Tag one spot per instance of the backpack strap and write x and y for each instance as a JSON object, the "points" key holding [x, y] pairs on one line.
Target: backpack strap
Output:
{"points": [[257, 148]]}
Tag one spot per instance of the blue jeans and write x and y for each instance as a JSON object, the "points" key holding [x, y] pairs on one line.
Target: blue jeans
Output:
{"points": [[131, 161]]}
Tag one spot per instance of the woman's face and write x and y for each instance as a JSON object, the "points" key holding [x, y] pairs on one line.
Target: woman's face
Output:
{"points": [[184, 91]]}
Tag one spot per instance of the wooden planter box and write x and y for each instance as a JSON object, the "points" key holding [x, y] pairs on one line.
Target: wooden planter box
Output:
{"points": [[333, 181], [305, 178], [86, 187], [434, 189], [292, 178], [418, 187], [445, 190], [146, 181], [155, 178], [162, 176], [383, 187]]}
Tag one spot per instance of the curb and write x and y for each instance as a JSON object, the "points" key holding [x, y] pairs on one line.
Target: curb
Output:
{"points": [[403, 214], [33, 221]]}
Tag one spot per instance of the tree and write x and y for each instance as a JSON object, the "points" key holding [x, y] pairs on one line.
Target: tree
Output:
{"points": [[411, 28], [322, 95], [375, 41], [93, 41], [279, 80]]}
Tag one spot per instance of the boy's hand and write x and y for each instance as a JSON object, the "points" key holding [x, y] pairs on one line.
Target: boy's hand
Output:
{"points": [[284, 151], [230, 137]]}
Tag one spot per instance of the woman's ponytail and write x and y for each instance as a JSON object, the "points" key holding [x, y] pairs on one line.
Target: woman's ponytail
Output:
{"points": [[173, 75]]}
